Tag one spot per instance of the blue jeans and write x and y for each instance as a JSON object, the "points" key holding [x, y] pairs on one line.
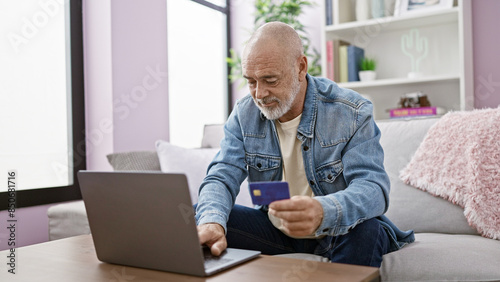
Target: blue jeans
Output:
{"points": [[249, 228]]}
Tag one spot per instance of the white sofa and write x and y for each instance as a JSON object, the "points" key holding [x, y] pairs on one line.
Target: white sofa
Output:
{"points": [[446, 247]]}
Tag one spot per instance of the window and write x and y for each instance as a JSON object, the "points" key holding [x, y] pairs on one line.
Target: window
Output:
{"points": [[41, 100], [197, 68]]}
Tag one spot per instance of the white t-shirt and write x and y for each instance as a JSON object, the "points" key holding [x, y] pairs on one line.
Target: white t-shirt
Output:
{"points": [[293, 164]]}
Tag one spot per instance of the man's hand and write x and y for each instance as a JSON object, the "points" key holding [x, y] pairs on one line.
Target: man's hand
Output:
{"points": [[300, 215], [212, 235]]}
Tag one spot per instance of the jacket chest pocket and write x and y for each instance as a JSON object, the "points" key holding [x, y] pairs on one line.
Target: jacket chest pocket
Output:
{"points": [[261, 167], [330, 172]]}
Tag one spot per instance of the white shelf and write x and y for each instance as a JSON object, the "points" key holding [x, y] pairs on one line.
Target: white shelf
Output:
{"points": [[448, 62], [347, 31], [398, 81]]}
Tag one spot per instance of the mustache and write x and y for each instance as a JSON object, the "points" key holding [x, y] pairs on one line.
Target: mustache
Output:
{"points": [[267, 100]]}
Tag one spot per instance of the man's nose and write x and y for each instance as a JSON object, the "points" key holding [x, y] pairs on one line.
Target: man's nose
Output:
{"points": [[261, 91]]}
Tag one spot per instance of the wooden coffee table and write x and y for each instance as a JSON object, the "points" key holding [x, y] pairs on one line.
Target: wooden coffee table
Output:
{"points": [[74, 259]]}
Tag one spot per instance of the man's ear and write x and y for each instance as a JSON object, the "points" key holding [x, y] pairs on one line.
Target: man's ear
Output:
{"points": [[302, 62]]}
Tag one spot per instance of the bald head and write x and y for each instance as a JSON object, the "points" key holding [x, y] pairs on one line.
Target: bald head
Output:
{"points": [[275, 37]]}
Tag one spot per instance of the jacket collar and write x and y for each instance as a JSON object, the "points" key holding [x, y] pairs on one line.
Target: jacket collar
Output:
{"points": [[308, 120]]}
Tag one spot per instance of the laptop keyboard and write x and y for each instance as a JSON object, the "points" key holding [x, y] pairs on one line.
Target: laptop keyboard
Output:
{"points": [[213, 261]]}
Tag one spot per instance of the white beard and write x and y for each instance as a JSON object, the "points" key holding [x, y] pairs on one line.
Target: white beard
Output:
{"points": [[283, 107]]}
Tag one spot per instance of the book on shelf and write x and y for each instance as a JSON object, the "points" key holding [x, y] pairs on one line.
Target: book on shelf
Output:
{"points": [[330, 62], [332, 59], [329, 12], [342, 61], [416, 112], [354, 57]]}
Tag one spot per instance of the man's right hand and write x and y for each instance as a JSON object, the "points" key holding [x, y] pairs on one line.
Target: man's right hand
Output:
{"points": [[212, 235]]}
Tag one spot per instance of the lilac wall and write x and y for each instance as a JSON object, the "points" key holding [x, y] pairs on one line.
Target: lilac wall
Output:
{"points": [[31, 227], [125, 76], [486, 45], [139, 62]]}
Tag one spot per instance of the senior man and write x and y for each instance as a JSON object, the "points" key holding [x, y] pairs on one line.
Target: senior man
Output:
{"points": [[318, 137]]}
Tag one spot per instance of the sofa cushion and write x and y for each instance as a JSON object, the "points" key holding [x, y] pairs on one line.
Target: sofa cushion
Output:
{"points": [[194, 163], [444, 257], [136, 160], [410, 208], [459, 160]]}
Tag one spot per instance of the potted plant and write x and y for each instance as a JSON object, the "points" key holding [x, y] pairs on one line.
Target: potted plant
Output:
{"points": [[367, 68]]}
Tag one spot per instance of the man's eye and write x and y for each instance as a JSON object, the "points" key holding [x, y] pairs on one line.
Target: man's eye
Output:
{"points": [[271, 82], [251, 82]]}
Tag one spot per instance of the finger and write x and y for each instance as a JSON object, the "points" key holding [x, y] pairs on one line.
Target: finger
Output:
{"points": [[280, 205], [298, 228], [218, 247], [292, 216], [204, 235], [295, 203]]}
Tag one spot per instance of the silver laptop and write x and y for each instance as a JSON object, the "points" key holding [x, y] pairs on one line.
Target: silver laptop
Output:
{"points": [[146, 220]]}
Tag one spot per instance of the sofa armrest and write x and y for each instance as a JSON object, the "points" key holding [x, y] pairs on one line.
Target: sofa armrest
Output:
{"points": [[67, 220]]}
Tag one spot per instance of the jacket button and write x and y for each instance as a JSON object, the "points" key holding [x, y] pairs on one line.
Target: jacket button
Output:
{"points": [[311, 182], [259, 165], [330, 176], [306, 148]]}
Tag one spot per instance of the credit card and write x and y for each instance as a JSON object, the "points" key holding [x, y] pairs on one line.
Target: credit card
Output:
{"points": [[264, 193]]}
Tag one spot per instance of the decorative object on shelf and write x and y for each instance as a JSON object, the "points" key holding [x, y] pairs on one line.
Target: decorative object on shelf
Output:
{"points": [[288, 12], [378, 8], [414, 100], [363, 10], [416, 6], [416, 47], [415, 104], [367, 69], [416, 112]]}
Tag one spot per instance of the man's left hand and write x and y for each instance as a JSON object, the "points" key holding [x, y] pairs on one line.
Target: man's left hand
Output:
{"points": [[300, 215]]}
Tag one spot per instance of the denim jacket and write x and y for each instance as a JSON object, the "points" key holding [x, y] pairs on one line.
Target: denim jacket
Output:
{"points": [[342, 157]]}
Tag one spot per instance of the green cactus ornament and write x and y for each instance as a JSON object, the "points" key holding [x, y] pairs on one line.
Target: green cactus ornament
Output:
{"points": [[416, 47]]}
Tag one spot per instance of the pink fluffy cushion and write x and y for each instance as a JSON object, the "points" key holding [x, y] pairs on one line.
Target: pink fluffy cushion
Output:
{"points": [[459, 160]]}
